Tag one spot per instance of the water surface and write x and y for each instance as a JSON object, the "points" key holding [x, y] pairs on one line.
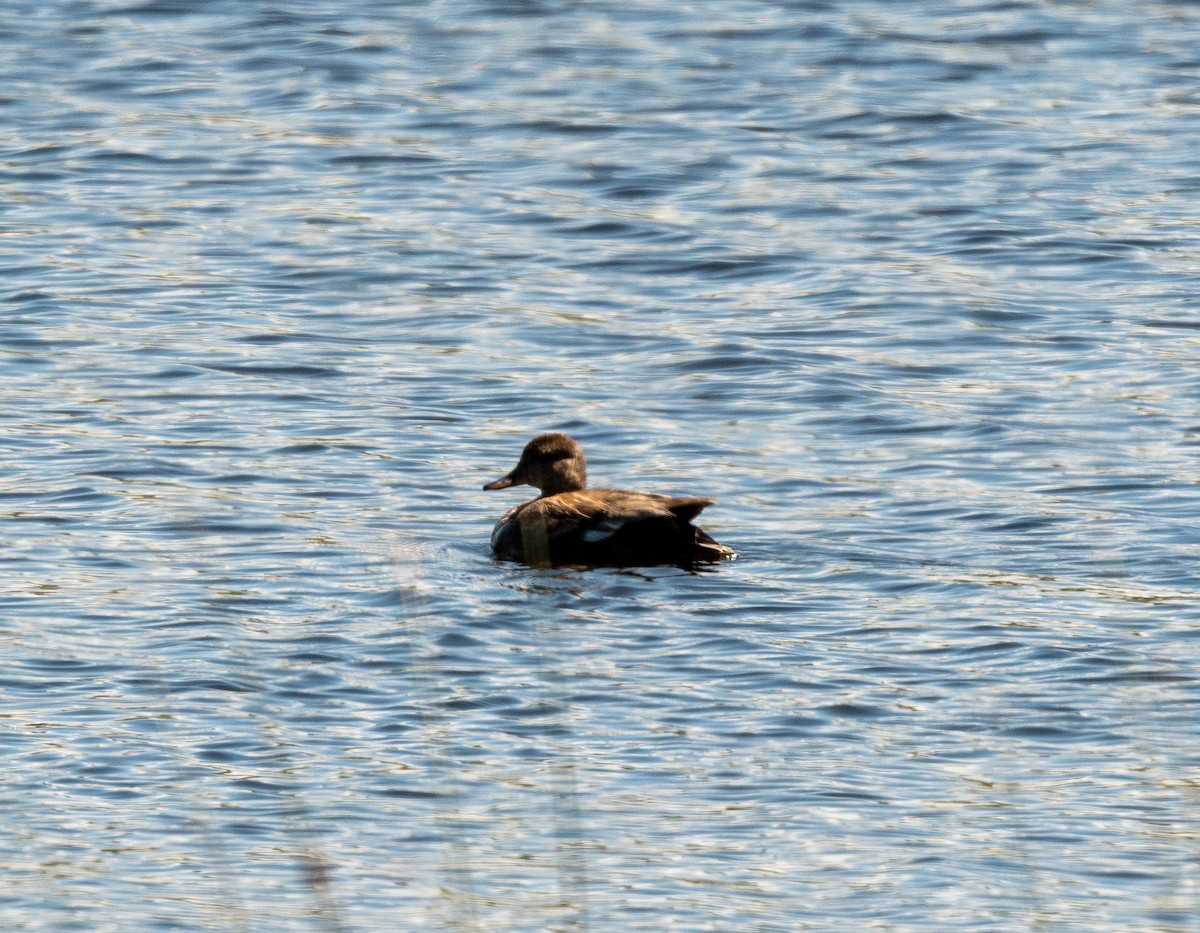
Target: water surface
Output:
{"points": [[912, 290]]}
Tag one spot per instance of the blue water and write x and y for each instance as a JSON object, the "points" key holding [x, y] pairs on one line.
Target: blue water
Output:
{"points": [[912, 289]]}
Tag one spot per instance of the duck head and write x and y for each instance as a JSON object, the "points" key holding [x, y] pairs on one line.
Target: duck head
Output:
{"points": [[552, 463]]}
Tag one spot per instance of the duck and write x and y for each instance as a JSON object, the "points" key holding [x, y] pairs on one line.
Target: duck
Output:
{"points": [[569, 524]]}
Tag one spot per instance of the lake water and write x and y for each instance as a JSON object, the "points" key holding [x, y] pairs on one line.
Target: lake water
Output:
{"points": [[912, 289]]}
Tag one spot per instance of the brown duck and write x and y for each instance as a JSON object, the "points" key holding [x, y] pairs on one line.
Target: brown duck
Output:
{"points": [[569, 524]]}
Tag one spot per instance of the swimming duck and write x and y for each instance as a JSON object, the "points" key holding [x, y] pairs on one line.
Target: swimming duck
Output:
{"points": [[570, 524]]}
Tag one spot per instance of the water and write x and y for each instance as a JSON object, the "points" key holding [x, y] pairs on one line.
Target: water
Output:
{"points": [[911, 289]]}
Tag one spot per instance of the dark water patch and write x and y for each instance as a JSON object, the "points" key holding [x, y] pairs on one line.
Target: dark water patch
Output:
{"points": [[1181, 323], [157, 469], [1030, 523], [726, 362], [409, 793], [568, 127], [35, 684], [852, 711], [269, 370], [1116, 486], [277, 339], [79, 494], [39, 519], [1136, 677], [204, 685], [1040, 733], [375, 159]]}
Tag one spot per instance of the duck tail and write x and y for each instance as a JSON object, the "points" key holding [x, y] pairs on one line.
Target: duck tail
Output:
{"points": [[687, 508]]}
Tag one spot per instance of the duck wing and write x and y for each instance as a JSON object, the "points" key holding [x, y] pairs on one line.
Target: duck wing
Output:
{"points": [[612, 526]]}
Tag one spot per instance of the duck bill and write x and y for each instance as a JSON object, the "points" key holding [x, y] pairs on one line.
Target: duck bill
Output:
{"points": [[502, 483]]}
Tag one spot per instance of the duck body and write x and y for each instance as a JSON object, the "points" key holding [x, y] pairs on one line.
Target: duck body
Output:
{"points": [[570, 524]]}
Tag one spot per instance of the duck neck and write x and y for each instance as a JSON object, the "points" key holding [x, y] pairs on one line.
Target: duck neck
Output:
{"points": [[568, 480]]}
